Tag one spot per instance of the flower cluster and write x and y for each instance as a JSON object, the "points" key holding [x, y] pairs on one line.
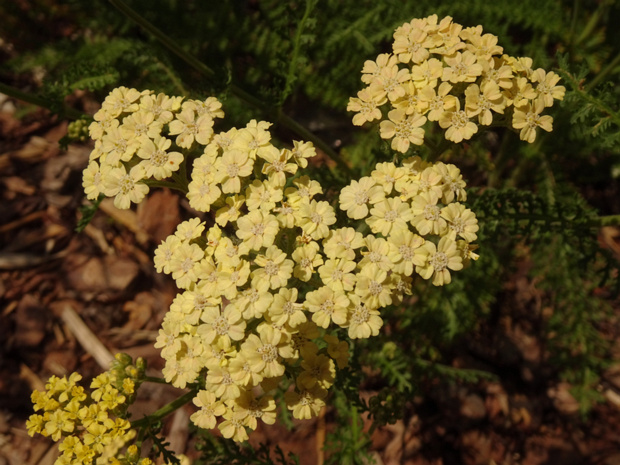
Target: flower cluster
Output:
{"points": [[439, 71], [91, 426], [263, 288], [133, 132]]}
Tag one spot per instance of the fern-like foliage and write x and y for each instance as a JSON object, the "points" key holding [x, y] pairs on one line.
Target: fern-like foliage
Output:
{"points": [[595, 116], [220, 451], [524, 213], [571, 269]]}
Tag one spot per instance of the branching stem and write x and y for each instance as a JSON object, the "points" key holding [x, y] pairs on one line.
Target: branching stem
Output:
{"points": [[165, 410], [66, 112]]}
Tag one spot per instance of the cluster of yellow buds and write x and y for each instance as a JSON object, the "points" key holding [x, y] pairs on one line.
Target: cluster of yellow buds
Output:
{"points": [[78, 130], [439, 71], [91, 426]]}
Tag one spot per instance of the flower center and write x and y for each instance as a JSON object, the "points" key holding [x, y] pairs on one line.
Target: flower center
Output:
{"points": [[375, 288], [458, 225], [187, 265], [159, 158], [327, 306], [391, 216], [288, 308], [439, 261], [360, 315], [459, 119], [221, 326], [361, 197], [431, 212], [271, 268], [405, 252], [232, 170], [268, 353], [258, 229]]}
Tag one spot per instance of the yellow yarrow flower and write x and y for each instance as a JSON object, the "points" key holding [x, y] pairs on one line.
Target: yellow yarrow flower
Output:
{"points": [[306, 404], [342, 243], [285, 309], [231, 167], [257, 229], [363, 321], [307, 259], [426, 78], [403, 129], [439, 260], [275, 270], [373, 286], [264, 352], [316, 218], [327, 305], [189, 127], [317, 370], [528, 118], [337, 274], [355, 198], [126, 187], [390, 215], [240, 317]]}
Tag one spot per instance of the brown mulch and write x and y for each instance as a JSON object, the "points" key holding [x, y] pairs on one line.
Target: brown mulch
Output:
{"points": [[69, 301]]}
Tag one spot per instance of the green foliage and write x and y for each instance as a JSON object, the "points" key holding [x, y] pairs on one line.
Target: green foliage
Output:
{"points": [[570, 268], [221, 451], [160, 448], [347, 444], [515, 212], [593, 113], [88, 213]]}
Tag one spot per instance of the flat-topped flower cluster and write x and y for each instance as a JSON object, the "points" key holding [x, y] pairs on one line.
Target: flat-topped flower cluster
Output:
{"points": [[459, 77], [90, 425]]}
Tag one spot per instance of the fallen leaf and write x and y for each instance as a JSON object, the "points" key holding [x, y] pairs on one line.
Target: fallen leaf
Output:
{"points": [[127, 218], [159, 214], [87, 273], [30, 321], [140, 311]]}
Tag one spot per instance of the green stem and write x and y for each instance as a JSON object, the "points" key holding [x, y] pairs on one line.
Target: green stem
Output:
{"points": [[290, 75], [601, 221], [603, 74], [573, 23], [165, 410], [436, 149], [163, 38], [199, 66], [180, 176], [590, 26], [66, 112]]}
